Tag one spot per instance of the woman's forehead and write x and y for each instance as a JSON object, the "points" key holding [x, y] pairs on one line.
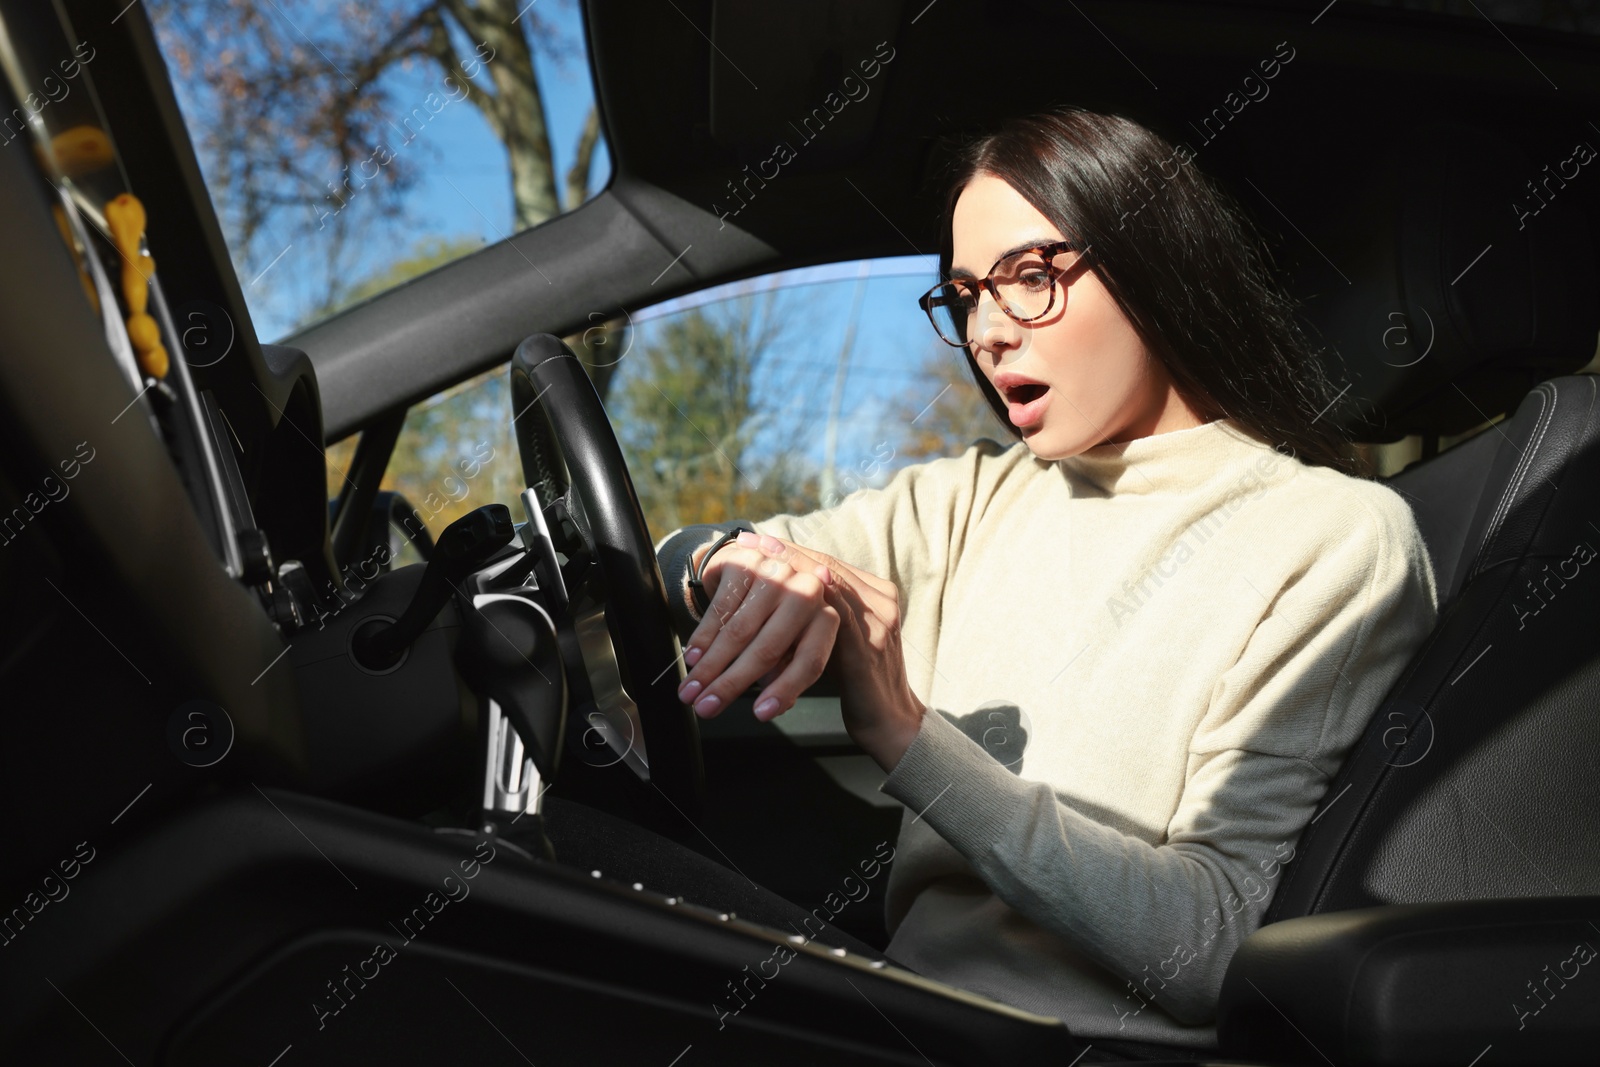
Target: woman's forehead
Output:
{"points": [[992, 219]]}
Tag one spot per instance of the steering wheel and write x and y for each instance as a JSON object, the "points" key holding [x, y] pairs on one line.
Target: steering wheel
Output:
{"points": [[572, 462]]}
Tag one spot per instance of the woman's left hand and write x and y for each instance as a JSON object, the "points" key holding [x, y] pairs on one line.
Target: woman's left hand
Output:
{"points": [[881, 713]]}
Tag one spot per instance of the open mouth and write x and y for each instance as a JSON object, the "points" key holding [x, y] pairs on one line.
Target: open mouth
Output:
{"points": [[1025, 404], [1025, 394]]}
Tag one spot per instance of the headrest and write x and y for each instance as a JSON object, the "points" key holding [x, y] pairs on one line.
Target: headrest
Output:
{"points": [[1472, 278]]}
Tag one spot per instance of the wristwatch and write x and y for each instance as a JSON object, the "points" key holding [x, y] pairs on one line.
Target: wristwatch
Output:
{"points": [[697, 589]]}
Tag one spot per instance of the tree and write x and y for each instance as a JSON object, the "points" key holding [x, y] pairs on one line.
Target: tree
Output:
{"points": [[457, 452], [949, 415], [298, 113], [689, 415]]}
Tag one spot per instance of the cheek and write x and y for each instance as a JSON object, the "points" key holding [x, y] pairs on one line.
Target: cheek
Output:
{"points": [[1093, 350], [1099, 365]]}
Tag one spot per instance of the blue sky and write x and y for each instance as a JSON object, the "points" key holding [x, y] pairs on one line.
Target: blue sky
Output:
{"points": [[884, 364], [462, 188], [463, 191]]}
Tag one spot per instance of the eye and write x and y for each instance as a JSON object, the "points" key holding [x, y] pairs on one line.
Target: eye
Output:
{"points": [[1027, 271], [1034, 279]]}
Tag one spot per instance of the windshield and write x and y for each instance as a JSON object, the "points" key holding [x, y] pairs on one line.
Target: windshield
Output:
{"points": [[348, 148]]}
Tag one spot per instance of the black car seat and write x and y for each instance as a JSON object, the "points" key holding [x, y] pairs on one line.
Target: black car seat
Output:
{"points": [[1479, 776]]}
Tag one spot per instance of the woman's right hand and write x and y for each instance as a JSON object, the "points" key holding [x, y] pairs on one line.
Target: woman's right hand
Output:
{"points": [[767, 622]]}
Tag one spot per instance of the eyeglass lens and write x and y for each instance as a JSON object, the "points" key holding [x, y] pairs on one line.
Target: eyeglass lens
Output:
{"points": [[1026, 287]]}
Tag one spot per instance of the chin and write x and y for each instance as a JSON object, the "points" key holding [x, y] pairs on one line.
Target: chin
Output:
{"points": [[1050, 443], [1047, 447]]}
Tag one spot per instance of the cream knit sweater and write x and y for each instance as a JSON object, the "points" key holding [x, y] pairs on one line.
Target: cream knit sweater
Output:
{"points": [[1142, 666]]}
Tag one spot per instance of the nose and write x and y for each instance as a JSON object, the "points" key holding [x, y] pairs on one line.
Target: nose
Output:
{"points": [[992, 330]]}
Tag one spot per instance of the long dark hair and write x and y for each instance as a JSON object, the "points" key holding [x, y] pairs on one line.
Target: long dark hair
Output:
{"points": [[1183, 263]]}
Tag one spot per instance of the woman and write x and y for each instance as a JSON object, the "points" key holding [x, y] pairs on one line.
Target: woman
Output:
{"points": [[1111, 668]]}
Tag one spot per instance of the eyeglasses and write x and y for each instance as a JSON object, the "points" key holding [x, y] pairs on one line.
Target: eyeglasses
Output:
{"points": [[1023, 284]]}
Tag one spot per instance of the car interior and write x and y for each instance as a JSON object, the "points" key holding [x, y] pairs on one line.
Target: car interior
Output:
{"points": [[478, 760]]}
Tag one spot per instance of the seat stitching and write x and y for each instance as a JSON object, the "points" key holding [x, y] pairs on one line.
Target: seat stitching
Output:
{"points": [[1524, 465]]}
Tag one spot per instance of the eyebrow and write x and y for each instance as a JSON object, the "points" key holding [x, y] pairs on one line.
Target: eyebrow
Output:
{"points": [[962, 272]]}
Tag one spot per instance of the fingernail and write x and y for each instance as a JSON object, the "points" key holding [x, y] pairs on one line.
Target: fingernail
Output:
{"points": [[826, 575], [765, 709], [708, 704], [771, 544], [692, 656], [748, 539], [687, 690]]}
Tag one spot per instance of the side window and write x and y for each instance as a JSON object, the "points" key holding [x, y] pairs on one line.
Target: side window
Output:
{"points": [[788, 392], [782, 393], [455, 453]]}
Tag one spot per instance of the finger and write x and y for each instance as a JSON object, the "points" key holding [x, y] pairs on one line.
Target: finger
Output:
{"points": [[779, 548], [847, 600], [802, 598], [805, 666], [757, 601], [768, 678], [873, 622], [838, 572], [880, 595], [797, 556], [864, 579], [876, 594], [730, 576]]}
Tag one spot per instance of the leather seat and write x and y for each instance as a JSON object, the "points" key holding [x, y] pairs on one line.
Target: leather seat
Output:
{"points": [[1479, 776], [1499, 690]]}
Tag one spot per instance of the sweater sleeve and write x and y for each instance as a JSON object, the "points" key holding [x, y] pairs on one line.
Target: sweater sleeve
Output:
{"points": [[904, 531], [1167, 917]]}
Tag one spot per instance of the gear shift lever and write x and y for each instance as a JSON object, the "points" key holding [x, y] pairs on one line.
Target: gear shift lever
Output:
{"points": [[463, 547]]}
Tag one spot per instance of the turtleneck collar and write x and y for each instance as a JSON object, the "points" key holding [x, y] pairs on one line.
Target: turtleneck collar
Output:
{"points": [[1173, 462]]}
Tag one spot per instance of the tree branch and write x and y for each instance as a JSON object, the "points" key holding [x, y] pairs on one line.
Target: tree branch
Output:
{"points": [[583, 161]]}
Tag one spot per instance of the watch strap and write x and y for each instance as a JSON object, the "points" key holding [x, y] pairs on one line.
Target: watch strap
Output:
{"points": [[697, 589]]}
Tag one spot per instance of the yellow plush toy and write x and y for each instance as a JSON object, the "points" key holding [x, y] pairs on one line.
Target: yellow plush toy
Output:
{"points": [[125, 216]]}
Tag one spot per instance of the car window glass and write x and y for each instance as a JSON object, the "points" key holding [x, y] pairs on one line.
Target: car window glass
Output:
{"points": [[455, 453], [350, 147], [788, 392], [783, 392]]}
